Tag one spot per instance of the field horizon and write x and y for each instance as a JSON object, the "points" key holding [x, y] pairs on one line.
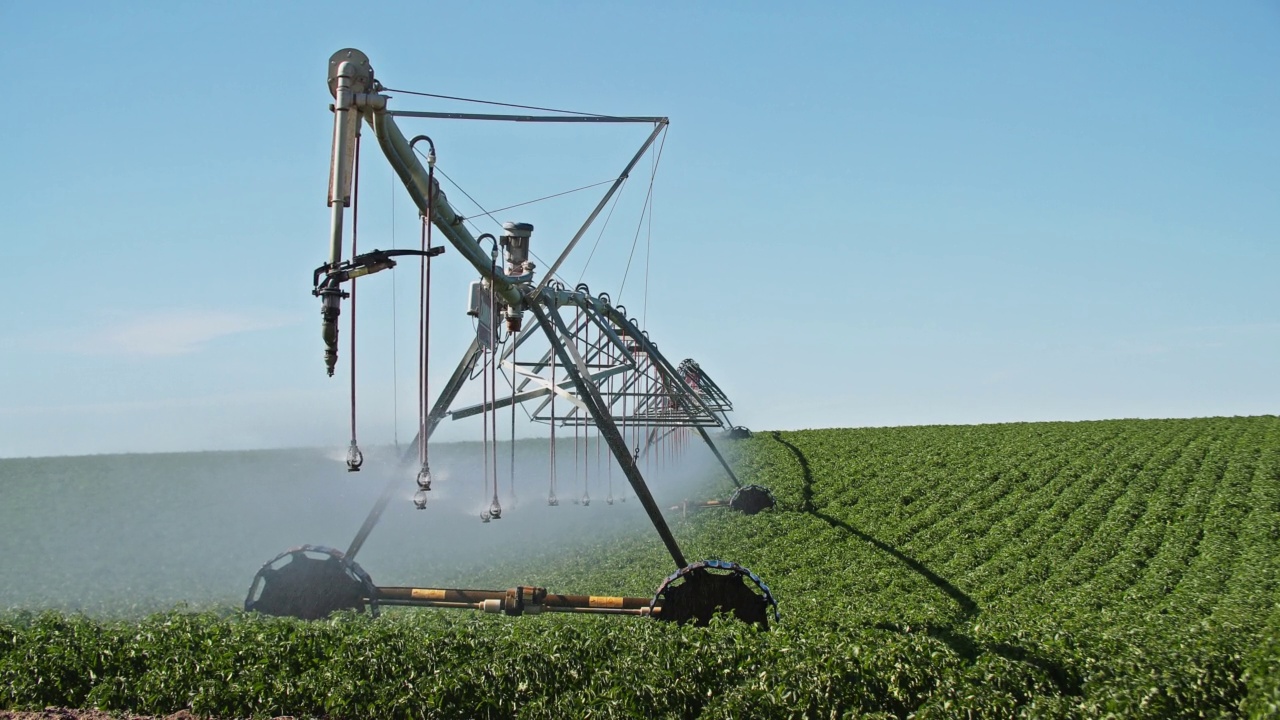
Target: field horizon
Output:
{"points": [[387, 447]]}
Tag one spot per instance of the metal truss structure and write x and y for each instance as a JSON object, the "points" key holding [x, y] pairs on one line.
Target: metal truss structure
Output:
{"points": [[580, 361]]}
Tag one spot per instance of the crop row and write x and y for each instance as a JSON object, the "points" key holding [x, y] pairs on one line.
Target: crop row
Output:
{"points": [[1046, 569]]}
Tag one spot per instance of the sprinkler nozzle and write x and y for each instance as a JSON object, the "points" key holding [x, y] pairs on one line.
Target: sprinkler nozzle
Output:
{"points": [[355, 458]]}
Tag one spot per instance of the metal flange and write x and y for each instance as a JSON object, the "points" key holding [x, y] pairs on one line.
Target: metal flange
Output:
{"points": [[358, 67]]}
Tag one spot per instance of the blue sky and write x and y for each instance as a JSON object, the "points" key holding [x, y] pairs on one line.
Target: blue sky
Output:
{"points": [[866, 213]]}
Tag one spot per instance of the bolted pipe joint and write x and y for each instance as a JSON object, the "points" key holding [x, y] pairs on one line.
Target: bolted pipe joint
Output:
{"points": [[370, 102], [515, 248]]}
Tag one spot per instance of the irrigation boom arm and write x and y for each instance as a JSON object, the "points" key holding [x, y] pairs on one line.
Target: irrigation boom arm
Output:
{"points": [[356, 98]]}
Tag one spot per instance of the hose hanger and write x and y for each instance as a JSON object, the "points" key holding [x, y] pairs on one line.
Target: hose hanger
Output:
{"points": [[551, 495], [355, 458], [424, 479], [512, 379], [488, 329]]}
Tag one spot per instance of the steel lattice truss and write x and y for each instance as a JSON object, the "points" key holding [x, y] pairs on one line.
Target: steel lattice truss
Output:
{"points": [[637, 384], [704, 387]]}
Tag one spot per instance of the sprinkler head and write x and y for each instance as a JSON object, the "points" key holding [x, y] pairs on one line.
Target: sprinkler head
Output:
{"points": [[484, 516], [609, 500], [424, 478], [355, 458], [586, 500], [495, 510], [552, 501], [420, 500]]}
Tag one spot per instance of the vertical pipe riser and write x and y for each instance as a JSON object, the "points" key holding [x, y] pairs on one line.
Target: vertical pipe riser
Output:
{"points": [[342, 160]]}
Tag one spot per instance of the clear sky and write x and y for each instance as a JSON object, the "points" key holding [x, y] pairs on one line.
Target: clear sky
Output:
{"points": [[866, 213]]}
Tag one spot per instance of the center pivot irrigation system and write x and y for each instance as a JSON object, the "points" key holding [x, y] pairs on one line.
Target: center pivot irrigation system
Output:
{"points": [[580, 352]]}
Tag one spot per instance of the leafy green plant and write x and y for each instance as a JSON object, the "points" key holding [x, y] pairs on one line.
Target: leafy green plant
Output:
{"points": [[1127, 568]]}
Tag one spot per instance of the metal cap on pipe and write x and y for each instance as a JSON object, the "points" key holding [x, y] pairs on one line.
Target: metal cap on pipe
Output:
{"points": [[517, 229], [353, 64]]}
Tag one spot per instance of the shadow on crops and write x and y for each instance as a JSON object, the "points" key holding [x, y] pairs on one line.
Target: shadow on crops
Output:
{"points": [[968, 607], [1067, 681]]}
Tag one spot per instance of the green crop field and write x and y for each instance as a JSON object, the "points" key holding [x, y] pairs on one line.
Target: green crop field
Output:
{"points": [[1114, 568]]}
